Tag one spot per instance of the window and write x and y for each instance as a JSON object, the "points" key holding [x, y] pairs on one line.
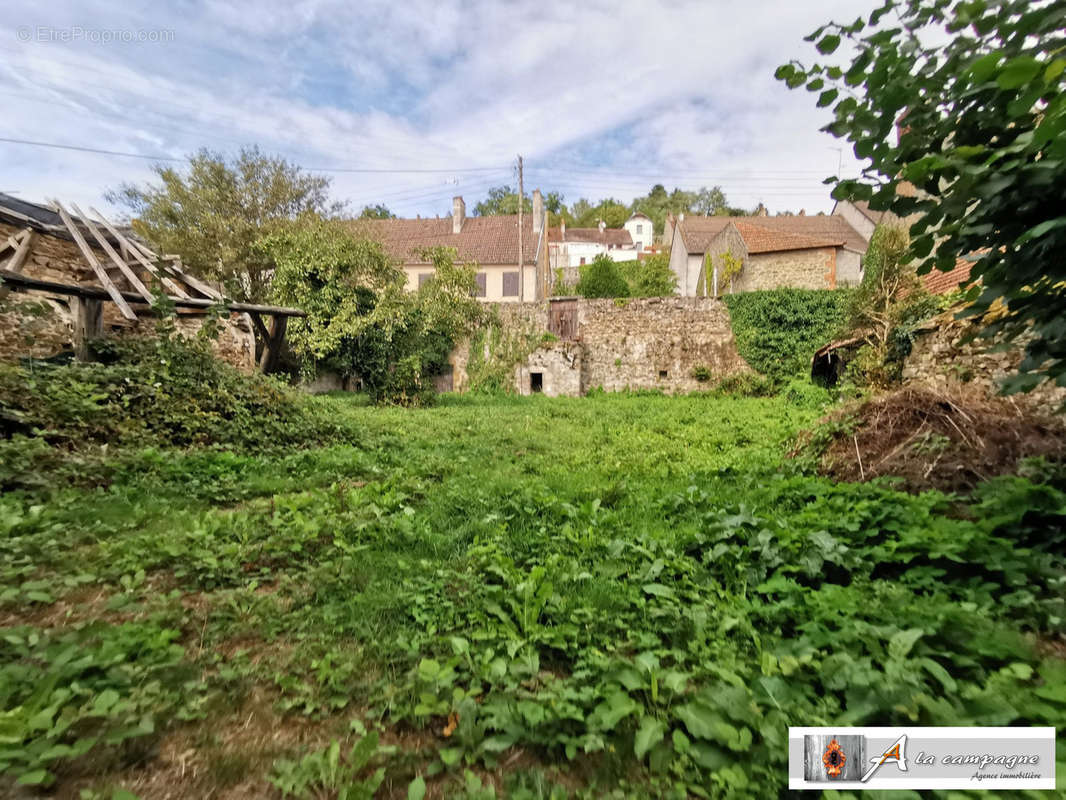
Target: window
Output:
{"points": [[640, 247], [423, 277], [536, 382], [640, 229], [482, 285], [582, 261], [663, 374], [510, 284]]}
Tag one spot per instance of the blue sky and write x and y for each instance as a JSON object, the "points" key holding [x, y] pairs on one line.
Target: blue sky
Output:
{"points": [[601, 99]]}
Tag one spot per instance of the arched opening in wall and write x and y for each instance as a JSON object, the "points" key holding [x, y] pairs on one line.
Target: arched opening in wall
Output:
{"points": [[536, 382]]}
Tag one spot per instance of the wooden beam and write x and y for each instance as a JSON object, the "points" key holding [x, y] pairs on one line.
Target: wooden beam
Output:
{"points": [[88, 324], [137, 254], [268, 362], [130, 275], [260, 327], [20, 281], [101, 273], [22, 251], [193, 281]]}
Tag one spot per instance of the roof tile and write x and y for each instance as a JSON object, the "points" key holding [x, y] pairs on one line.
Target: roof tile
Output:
{"points": [[485, 240]]}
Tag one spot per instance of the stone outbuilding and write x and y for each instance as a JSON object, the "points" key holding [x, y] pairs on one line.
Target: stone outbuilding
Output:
{"points": [[66, 278], [806, 252]]}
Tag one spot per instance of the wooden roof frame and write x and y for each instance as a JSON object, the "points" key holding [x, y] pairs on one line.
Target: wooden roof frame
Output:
{"points": [[124, 255]]}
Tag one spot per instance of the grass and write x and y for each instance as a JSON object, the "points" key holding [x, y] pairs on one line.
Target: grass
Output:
{"points": [[612, 596]]}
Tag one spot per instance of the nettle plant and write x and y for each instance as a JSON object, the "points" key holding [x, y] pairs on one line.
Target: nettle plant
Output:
{"points": [[976, 87]]}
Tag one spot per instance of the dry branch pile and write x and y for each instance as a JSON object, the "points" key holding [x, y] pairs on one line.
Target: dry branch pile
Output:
{"points": [[938, 440]]}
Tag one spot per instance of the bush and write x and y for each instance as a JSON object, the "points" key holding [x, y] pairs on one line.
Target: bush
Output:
{"points": [[154, 392], [650, 277], [777, 331], [602, 278]]}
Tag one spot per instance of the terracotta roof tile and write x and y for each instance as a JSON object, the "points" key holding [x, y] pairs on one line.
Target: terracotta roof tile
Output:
{"points": [[937, 282], [759, 238], [618, 237], [699, 231], [823, 226], [486, 240]]}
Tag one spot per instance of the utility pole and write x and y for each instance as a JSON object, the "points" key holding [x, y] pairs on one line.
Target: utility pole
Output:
{"points": [[521, 269]]}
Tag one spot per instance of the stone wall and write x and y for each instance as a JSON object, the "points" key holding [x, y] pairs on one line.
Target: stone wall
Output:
{"points": [[941, 360], [803, 269], [639, 343], [39, 325]]}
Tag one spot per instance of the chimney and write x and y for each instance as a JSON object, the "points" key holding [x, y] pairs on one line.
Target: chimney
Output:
{"points": [[538, 211], [562, 230], [602, 226], [802, 212], [681, 217], [761, 211], [458, 214]]}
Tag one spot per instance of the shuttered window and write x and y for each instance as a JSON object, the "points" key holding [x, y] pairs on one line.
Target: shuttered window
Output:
{"points": [[482, 285], [423, 277], [510, 284]]}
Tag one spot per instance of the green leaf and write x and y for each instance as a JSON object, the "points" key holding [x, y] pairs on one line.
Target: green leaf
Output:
{"points": [[901, 642], [649, 734], [827, 97], [123, 794], [104, 701], [1039, 230], [659, 590], [983, 68], [1054, 70], [1018, 72], [416, 789], [35, 777], [828, 44]]}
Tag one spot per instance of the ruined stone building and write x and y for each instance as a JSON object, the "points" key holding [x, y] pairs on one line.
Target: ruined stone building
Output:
{"points": [[36, 245]]}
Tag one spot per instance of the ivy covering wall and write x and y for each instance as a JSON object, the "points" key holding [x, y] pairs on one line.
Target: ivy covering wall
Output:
{"points": [[778, 330]]}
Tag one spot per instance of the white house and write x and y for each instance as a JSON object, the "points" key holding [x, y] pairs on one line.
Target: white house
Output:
{"points": [[641, 230]]}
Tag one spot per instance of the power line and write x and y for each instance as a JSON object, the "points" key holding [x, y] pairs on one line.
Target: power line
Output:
{"points": [[390, 170]]}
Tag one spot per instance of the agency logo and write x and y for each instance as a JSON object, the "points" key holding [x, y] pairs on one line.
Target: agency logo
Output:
{"points": [[921, 758]]}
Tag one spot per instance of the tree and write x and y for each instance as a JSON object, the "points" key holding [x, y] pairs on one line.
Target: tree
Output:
{"points": [[983, 140], [334, 277], [361, 321], [502, 200], [710, 202], [649, 277], [379, 211], [601, 278], [612, 212], [213, 212]]}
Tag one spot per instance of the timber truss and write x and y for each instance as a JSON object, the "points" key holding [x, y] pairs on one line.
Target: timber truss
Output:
{"points": [[123, 266]]}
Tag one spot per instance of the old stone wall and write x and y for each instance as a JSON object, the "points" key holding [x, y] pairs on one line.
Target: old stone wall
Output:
{"points": [[656, 343], [940, 359], [638, 343], [38, 325], [803, 269]]}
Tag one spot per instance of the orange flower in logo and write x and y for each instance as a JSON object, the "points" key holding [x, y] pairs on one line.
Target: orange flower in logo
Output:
{"points": [[834, 759]]}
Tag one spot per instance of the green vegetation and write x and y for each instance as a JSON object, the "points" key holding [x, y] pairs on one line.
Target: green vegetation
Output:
{"points": [[989, 156], [612, 596], [215, 211], [360, 319], [885, 309], [150, 392], [778, 330], [649, 277], [601, 278]]}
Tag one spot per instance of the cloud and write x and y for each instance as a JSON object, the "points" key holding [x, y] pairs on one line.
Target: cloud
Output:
{"points": [[601, 98]]}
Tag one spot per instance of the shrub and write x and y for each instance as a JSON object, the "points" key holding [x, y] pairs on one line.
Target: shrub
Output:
{"points": [[602, 278], [651, 277], [777, 331], [154, 391]]}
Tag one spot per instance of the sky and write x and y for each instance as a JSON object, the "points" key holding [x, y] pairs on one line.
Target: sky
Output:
{"points": [[600, 99]]}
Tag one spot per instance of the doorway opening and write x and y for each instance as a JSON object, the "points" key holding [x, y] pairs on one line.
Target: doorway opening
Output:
{"points": [[536, 381]]}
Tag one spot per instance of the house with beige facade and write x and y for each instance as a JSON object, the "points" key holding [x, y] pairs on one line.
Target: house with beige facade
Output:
{"points": [[510, 267], [807, 252]]}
